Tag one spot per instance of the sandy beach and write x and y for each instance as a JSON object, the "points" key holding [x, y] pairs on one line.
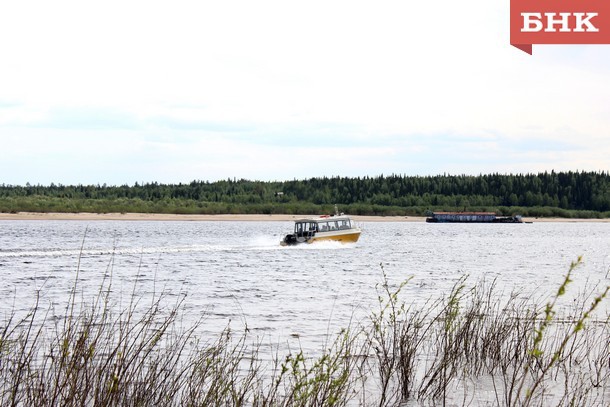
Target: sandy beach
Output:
{"points": [[173, 217], [204, 218]]}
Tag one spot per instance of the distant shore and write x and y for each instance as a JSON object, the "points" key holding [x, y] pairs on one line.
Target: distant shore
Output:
{"points": [[226, 217], [176, 217]]}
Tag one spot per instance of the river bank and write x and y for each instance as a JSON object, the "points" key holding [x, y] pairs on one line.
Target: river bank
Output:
{"points": [[82, 216]]}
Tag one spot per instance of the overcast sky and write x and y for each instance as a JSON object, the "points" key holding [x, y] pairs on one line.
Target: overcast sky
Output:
{"points": [[119, 92]]}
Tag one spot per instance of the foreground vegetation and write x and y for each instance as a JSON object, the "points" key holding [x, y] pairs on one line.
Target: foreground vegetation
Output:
{"points": [[563, 194], [474, 346]]}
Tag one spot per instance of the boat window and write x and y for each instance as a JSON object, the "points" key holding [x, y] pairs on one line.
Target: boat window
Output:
{"points": [[325, 226]]}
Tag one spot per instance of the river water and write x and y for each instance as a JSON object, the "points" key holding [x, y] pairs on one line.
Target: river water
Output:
{"points": [[237, 273]]}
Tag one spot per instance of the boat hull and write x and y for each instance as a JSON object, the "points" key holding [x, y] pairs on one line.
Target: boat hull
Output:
{"points": [[347, 237], [471, 217], [344, 236], [497, 220]]}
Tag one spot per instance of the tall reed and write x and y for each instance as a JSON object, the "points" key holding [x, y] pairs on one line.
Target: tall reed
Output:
{"points": [[474, 345]]}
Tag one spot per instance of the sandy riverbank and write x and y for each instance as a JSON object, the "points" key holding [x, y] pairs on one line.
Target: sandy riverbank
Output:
{"points": [[277, 218], [173, 217]]}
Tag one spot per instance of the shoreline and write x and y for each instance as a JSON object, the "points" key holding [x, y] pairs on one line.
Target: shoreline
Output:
{"points": [[82, 216], [130, 216]]}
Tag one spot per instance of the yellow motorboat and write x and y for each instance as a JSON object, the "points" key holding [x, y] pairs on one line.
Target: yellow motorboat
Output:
{"points": [[338, 227]]}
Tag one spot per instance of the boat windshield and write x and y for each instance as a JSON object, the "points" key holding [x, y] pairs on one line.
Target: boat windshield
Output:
{"points": [[304, 227]]}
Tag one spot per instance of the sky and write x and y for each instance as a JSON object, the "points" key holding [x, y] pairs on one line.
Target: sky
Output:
{"points": [[118, 92]]}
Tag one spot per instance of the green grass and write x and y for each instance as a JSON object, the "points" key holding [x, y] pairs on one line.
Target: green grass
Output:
{"points": [[42, 204]]}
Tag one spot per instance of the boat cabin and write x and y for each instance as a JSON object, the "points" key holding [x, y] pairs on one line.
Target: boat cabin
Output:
{"points": [[309, 227]]}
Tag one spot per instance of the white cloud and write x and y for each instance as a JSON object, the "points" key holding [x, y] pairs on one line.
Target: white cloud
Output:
{"points": [[368, 88]]}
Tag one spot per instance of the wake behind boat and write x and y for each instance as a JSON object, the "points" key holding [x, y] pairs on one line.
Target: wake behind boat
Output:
{"points": [[338, 227]]}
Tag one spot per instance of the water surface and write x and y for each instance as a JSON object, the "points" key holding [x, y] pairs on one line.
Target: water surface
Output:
{"points": [[237, 273]]}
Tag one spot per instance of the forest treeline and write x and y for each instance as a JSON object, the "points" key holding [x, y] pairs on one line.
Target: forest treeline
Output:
{"points": [[564, 194]]}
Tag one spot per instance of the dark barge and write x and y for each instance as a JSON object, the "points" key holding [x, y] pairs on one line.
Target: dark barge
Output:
{"points": [[471, 217]]}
